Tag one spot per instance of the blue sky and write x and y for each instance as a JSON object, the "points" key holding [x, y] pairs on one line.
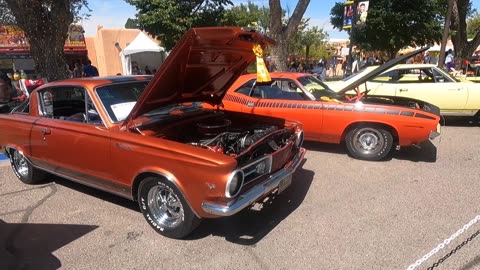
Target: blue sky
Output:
{"points": [[114, 14]]}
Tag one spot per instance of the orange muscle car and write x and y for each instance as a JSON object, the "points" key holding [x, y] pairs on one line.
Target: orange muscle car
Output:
{"points": [[370, 125], [150, 140]]}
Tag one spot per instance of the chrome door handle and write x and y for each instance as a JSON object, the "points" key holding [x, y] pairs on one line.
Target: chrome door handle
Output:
{"points": [[403, 90], [45, 131], [250, 104]]}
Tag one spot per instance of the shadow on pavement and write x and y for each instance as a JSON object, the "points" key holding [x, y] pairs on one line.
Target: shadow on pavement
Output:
{"points": [[425, 152], [326, 147], [460, 121], [250, 226], [30, 246]]}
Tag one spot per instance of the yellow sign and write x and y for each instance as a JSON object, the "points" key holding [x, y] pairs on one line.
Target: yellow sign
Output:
{"points": [[262, 71]]}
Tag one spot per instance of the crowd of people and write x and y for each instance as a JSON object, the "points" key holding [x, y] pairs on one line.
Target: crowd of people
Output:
{"points": [[334, 67], [82, 70]]}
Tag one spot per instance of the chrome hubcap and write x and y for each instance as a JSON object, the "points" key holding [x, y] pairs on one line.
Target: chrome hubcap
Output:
{"points": [[165, 206], [368, 140], [20, 164]]}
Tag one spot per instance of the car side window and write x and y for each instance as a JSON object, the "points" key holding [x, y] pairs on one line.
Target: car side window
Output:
{"points": [[246, 88], [391, 76], [277, 89], [68, 103], [439, 77]]}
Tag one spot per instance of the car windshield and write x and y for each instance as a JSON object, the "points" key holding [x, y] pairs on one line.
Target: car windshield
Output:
{"points": [[176, 109], [317, 88], [118, 99], [359, 74]]}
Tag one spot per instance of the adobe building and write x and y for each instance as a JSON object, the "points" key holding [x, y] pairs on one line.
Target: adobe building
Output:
{"points": [[105, 47]]}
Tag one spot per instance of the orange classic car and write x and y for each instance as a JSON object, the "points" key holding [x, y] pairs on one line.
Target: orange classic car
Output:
{"points": [[369, 125], [150, 140]]}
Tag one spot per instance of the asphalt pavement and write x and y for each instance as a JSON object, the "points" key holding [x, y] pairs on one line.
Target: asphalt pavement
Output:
{"points": [[339, 213]]}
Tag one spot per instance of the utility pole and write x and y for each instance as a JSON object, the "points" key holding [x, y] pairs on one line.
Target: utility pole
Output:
{"points": [[446, 30]]}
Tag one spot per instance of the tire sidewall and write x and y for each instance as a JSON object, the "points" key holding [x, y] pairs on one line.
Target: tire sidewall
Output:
{"points": [[28, 179], [188, 222], [379, 154]]}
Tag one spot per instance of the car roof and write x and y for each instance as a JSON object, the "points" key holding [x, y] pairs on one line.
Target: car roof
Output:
{"points": [[97, 81]]}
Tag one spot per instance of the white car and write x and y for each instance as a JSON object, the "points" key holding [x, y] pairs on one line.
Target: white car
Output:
{"points": [[425, 82]]}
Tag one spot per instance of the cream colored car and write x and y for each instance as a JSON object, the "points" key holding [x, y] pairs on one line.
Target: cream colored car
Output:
{"points": [[425, 82]]}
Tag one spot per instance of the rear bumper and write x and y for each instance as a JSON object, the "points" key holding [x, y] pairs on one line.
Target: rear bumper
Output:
{"points": [[257, 192], [434, 133]]}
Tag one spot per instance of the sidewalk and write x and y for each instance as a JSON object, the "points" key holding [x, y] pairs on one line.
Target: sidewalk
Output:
{"points": [[3, 159]]}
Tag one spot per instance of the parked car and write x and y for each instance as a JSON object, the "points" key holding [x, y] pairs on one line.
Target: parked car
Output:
{"points": [[425, 82], [149, 140], [370, 125]]}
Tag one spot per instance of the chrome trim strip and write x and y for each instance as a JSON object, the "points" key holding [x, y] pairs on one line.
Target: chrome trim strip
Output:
{"points": [[90, 184], [434, 133], [256, 192]]}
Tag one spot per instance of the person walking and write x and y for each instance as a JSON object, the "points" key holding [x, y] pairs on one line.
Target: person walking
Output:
{"points": [[89, 70], [449, 64], [77, 70]]}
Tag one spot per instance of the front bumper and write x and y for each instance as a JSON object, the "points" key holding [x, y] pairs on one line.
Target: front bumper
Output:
{"points": [[434, 133], [257, 192]]}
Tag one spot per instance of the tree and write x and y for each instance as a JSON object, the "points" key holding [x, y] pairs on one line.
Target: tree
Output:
{"points": [[45, 23], [132, 24], [249, 14], [311, 37], [394, 24], [464, 48], [168, 20], [473, 25], [282, 32]]}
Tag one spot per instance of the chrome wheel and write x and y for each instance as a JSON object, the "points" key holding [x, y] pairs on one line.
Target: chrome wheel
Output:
{"points": [[368, 140], [165, 206], [20, 164]]}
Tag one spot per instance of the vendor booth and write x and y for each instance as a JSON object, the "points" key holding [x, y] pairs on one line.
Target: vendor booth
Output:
{"points": [[144, 52]]}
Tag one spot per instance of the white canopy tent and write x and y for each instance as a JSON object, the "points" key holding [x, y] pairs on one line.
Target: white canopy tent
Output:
{"points": [[144, 51]]}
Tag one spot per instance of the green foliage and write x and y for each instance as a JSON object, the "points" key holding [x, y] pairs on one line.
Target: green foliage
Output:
{"points": [[336, 16], [132, 24], [168, 20], [394, 24], [473, 25], [247, 14]]}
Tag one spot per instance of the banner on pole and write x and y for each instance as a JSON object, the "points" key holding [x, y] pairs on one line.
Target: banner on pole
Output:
{"points": [[362, 11], [348, 14]]}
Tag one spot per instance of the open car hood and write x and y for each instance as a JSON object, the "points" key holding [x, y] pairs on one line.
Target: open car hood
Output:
{"points": [[200, 68], [374, 72]]}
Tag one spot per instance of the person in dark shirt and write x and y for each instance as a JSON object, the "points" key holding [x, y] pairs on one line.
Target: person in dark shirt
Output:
{"points": [[147, 71], [89, 70], [6, 90]]}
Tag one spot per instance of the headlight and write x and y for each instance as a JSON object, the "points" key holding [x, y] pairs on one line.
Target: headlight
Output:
{"points": [[299, 139], [234, 184]]}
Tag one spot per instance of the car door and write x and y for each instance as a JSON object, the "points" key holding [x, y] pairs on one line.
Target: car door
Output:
{"points": [[431, 85], [383, 84], [285, 98], [69, 139]]}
